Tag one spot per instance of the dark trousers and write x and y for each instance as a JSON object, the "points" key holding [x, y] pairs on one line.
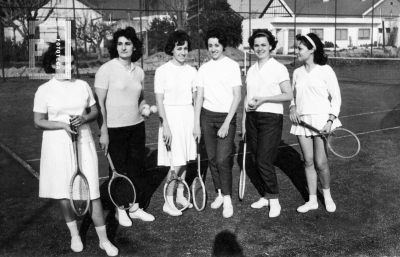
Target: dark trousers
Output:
{"points": [[219, 149], [263, 135], [126, 148]]}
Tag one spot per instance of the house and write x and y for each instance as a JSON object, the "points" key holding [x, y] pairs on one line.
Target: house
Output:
{"points": [[357, 22]]}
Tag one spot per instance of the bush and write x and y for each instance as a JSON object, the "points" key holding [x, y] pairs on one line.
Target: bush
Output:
{"points": [[329, 44], [83, 65], [92, 64], [99, 63]]}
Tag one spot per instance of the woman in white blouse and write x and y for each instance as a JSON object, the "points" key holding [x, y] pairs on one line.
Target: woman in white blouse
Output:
{"points": [[175, 89], [268, 85], [317, 102]]}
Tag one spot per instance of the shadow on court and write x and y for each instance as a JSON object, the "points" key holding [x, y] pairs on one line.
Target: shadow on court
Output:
{"points": [[226, 245]]}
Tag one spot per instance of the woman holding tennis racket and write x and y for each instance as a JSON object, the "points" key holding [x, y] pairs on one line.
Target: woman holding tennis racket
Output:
{"points": [[56, 102], [175, 89], [119, 88], [268, 86], [218, 96], [317, 102]]}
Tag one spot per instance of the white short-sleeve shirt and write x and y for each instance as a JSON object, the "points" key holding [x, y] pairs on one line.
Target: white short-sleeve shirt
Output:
{"points": [[124, 89], [313, 90], [177, 83], [218, 78], [266, 82], [60, 100]]}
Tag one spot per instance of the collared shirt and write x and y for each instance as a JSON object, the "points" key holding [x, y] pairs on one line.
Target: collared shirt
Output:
{"points": [[266, 82], [124, 89]]}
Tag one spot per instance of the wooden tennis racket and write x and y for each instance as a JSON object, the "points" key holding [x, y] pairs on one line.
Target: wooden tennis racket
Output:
{"points": [[198, 187], [242, 177]]}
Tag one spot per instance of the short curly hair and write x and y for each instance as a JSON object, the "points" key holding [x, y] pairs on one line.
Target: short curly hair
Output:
{"points": [[263, 33], [130, 34], [178, 37], [218, 34], [50, 56], [320, 57]]}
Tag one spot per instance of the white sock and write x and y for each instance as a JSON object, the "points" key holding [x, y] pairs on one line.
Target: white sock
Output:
{"points": [[170, 199], [102, 234], [219, 193], [327, 194], [313, 199], [179, 192], [73, 228], [134, 207], [273, 202], [227, 200]]}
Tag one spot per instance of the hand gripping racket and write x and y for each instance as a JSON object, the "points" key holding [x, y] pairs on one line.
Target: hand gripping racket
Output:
{"points": [[79, 194], [242, 177], [176, 190], [342, 142], [121, 189], [198, 187]]}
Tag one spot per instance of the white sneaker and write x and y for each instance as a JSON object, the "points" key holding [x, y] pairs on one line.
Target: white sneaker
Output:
{"points": [[183, 201], [307, 207], [260, 203], [171, 211], [330, 205], [217, 202], [141, 214], [110, 249], [76, 244], [274, 208], [123, 218], [228, 211]]}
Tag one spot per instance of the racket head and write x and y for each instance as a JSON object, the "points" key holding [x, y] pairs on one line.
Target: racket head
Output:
{"points": [[179, 190], [121, 191], [79, 194], [343, 143], [199, 194], [242, 177]]}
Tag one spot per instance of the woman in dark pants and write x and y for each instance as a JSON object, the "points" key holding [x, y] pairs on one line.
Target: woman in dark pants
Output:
{"points": [[268, 85], [119, 88], [218, 96]]}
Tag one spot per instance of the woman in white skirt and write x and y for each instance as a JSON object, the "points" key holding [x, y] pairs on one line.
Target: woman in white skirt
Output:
{"points": [[174, 86], [56, 102], [317, 102]]}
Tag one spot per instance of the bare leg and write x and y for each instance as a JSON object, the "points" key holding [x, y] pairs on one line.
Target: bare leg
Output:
{"points": [[67, 211], [321, 161], [306, 144], [97, 213]]}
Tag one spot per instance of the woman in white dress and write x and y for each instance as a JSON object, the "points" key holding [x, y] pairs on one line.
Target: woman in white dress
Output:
{"points": [[268, 86], [175, 89], [317, 102], [56, 102], [218, 96]]}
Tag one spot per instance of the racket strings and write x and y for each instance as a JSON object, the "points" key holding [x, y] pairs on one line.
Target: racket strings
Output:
{"points": [[122, 192], [178, 194], [199, 194], [80, 194], [344, 143]]}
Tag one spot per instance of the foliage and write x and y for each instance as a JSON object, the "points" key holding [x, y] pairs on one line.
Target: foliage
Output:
{"points": [[158, 32], [15, 51], [329, 44]]}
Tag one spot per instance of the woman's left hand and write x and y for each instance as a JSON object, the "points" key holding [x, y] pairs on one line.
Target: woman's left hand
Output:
{"points": [[223, 131], [327, 127], [77, 120], [258, 101]]}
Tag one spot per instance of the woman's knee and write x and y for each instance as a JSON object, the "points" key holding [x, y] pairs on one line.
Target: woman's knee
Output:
{"points": [[321, 165]]}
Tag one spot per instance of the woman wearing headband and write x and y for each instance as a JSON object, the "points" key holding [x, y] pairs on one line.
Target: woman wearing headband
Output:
{"points": [[317, 102], [268, 85]]}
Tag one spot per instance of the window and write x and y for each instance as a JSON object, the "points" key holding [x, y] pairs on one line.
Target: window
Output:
{"points": [[292, 36], [318, 32], [341, 34], [387, 30], [363, 33]]}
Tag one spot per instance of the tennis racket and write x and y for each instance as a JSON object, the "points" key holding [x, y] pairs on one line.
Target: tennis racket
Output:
{"points": [[342, 142], [176, 190], [198, 187], [79, 194], [242, 177], [121, 190]]}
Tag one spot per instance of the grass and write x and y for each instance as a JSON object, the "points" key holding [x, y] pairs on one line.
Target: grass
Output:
{"points": [[365, 189]]}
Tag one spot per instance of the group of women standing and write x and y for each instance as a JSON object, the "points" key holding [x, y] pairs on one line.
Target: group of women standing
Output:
{"points": [[191, 104]]}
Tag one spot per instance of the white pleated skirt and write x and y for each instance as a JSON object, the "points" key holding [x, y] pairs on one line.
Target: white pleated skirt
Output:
{"points": [[183, 146], [57, 166], [317, 121]]}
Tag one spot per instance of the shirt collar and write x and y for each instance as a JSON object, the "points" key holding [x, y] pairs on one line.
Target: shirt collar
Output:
{"points": [[117, 63]]}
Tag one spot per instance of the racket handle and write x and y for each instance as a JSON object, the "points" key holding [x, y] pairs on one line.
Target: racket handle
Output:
{"points": [[73, 128], [168, 148], [302, 123]]}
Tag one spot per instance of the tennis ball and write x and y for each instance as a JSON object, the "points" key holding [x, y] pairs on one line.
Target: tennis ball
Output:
{"points": [[146, 112], [251, 103], [146, 106], [153, 109]]}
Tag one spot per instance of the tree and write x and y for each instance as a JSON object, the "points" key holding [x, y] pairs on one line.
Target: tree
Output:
{"points": [[177, 8], [158, 32], [93, 33], [213, 14]]}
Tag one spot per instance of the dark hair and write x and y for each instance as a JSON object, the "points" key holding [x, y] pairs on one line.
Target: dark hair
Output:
{"points": [[130, 34], [263, 33], [218, 34], [319, 55], [51, 55], [177, 38]]}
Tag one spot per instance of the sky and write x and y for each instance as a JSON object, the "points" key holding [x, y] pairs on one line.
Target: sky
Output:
{"points": [[256, 5]]}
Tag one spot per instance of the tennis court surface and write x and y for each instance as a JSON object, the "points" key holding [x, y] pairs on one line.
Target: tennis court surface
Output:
{"points": [[365, 188]]}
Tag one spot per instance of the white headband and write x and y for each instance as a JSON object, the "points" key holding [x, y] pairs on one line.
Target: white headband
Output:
{"points": [[310, 40]]}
